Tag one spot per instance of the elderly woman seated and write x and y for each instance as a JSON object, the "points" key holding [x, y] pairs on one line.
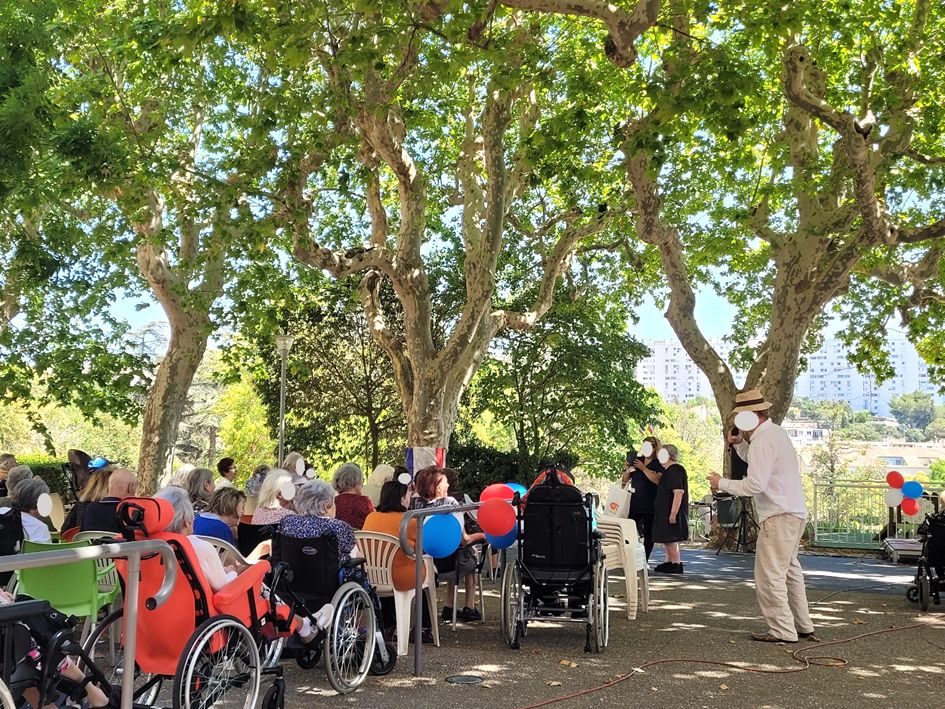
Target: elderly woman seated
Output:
{"points": [[271, 506], [315, 517], [214, 571], [24, 499], [222, 514], [351, 505]]}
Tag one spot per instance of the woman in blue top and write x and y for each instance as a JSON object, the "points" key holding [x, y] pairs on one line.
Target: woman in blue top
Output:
{"points": [[222, 514]]}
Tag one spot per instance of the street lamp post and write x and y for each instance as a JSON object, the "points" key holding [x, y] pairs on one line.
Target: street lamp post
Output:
{"points": [[283, 345]]}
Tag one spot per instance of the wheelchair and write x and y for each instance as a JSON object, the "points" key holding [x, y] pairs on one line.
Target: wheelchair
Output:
{"points": [[559, 570], [34, 640], [205, 646], [354, 646]]}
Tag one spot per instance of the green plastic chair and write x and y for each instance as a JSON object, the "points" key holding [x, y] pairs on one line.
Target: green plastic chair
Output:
{"points": [[71, 588]]}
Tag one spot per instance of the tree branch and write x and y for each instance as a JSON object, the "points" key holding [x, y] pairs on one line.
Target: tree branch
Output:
{"points": [[369, 290], [623, 27], [553, 268]]}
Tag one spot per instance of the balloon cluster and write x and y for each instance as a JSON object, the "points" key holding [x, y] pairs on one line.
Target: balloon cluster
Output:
{"points": [[496, 516], [903, 493]]}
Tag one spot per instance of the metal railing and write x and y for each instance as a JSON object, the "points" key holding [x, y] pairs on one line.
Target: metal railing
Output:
{"points": [[855, 514], [133, 551], [409, 550]]}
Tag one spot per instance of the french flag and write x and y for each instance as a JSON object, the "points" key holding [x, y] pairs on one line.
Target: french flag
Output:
{"points": [[419, 458]]}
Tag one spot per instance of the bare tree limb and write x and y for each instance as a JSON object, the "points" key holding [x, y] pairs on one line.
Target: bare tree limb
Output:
{"points": [[369, 291], [623, 27]]}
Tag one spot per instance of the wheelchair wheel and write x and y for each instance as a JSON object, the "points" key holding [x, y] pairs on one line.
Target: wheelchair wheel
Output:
{"points": [[349, 647], [275, 696], [219, 667], [379, 667], [912, 593], [270, 650], [513, 625], [600, 615], [105, 648], [307, 657], [6, 699], [925, 592]]}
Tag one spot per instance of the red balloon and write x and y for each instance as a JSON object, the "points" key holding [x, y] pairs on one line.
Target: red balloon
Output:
{"points": [[910, 506], [496, 517], [497, 491], [894, 479]]}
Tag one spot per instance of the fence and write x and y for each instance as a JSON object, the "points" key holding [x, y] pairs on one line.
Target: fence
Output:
{"points": [[854, 515]]}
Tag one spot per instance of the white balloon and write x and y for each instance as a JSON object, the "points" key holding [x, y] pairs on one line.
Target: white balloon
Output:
{"points": [[299, 466], [44, 504], [662, 456], [746, 420], [893, 497], [288, 490], [646, 450], [404, 479], [310, 473]]}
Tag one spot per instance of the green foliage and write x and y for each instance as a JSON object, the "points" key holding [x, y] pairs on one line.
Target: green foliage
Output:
{"points": [[937, 471], [569, 383], [696, 429], [50, 470], [915, 409], [935, 431], [244, 429], [860, 432], [341, 400], [828, 414], [479, 466]]}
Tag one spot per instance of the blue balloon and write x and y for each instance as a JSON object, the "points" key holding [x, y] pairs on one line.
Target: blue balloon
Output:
{"points": [[520, 489], [912, 489], [441, 535], [503, 542]]}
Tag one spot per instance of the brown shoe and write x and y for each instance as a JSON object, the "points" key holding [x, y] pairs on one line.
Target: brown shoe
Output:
{"points": [[769, 638], [808, 636]]}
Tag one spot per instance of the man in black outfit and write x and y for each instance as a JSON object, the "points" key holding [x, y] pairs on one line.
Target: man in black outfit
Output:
{"points": [[102, 516]]}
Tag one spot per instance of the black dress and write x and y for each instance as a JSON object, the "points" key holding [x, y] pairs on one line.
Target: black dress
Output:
{"points": [[674, 478], [643, 502]]}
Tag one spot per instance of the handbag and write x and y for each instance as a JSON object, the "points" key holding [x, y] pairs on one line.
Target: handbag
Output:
{"points": [[618, 501]]}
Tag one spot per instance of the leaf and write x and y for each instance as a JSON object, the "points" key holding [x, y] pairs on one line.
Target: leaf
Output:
{"points": [[723, 686], [553, 684], [567, 663], [857, 621]]}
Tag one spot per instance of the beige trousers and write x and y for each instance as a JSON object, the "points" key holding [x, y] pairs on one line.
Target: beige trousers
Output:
{"points": [[779, 580]]}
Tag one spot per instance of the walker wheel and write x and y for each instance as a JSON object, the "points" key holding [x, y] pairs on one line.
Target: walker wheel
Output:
{"points": [[912, 593]]}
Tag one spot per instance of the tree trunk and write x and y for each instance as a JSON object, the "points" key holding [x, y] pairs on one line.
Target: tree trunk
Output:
{"points": [[162, 413]]}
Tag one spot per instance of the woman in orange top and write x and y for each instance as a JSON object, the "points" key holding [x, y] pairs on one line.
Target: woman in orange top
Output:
{"points": [[391, 506]]}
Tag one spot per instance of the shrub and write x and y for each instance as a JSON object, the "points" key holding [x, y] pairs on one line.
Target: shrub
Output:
{"points": [[50, 470], [479, 466]]}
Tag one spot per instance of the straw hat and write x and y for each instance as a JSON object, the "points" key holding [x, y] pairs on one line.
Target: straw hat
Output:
{"points": [[751, 400]]}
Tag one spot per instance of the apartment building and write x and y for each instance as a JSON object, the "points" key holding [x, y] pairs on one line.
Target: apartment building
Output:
{"points": [[671, 372]]}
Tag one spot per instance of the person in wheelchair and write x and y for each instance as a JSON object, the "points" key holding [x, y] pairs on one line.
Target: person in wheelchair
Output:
{"points": [[30, 679], [315, 517], [218, 575]]}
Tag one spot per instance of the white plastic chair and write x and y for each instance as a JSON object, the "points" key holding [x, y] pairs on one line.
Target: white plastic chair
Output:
{"points": [[379, 551], [58, 513], [623, 550]]}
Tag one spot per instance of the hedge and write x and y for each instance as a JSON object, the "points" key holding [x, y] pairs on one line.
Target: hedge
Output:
{"points": [[479, 466], [50, 470]]}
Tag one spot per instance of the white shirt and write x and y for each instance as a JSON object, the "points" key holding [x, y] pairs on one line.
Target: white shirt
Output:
{"points": [[222, 482], [33, 529], [774, 479], [210, 563]]}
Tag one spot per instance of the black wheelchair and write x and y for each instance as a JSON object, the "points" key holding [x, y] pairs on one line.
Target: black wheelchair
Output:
{"points": [[559, 572]]}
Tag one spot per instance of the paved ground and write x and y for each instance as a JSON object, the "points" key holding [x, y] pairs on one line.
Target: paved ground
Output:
{"points": [[707, 615]]}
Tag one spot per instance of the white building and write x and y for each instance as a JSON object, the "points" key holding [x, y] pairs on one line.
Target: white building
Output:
{"points": [[671, 372]]}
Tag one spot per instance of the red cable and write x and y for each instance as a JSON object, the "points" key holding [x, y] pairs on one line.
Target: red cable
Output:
{"points": [[807, 661]]}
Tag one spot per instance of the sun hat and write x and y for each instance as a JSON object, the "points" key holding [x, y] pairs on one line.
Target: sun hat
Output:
{"points": [[751, 400]]}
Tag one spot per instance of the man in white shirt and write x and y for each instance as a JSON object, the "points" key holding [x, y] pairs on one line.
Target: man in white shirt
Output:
{"points": [[774, 481]]}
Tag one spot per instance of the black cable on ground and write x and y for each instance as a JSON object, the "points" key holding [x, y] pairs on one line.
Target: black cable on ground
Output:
{"points": [[800, 655]]}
